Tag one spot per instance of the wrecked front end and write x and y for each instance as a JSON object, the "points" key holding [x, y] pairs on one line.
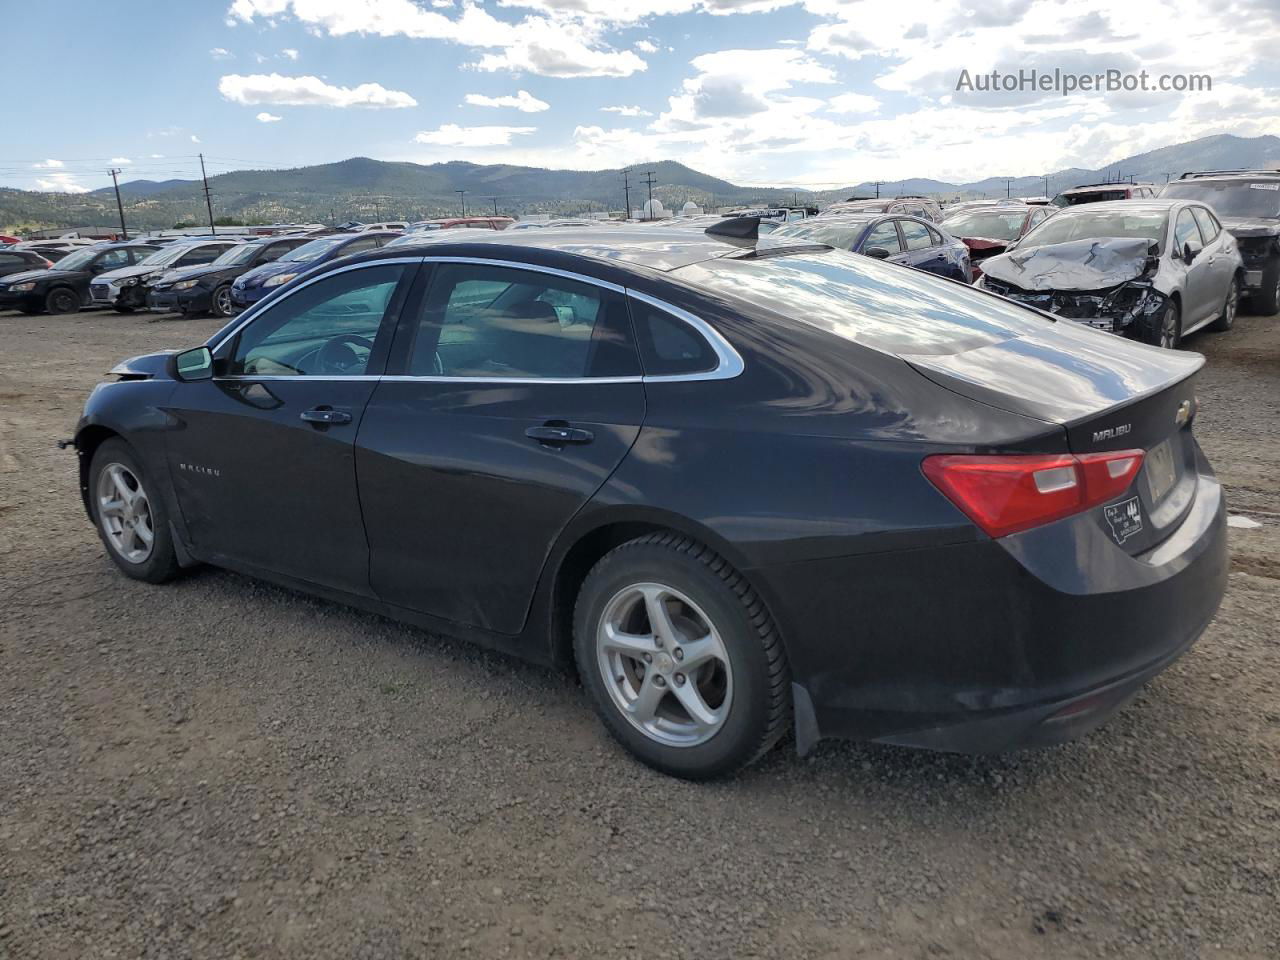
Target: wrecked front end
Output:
{"points": [[1108, 284], [1114, 310]]}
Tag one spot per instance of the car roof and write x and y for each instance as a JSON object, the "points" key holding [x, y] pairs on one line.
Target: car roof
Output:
{"points": [[657, 248], [1148, 204], [1086, 187]]}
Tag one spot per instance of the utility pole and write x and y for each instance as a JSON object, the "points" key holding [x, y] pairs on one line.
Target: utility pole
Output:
{"points": [[877, 184], [495, 204], [124, 232], [1167, 177], [463, 195], [626, 188], [649, 180], [208, 201], [1046, 185], [1008, 186]]}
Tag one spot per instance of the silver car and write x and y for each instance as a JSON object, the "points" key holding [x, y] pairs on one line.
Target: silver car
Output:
{"points": [[1152, 269]]}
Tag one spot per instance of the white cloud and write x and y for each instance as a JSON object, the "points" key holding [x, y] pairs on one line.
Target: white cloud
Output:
{"points": [[265, 117], [289, 53], [195, 139], [522, 101], [221, 53], [309, 91], [122, 161], [157, 156], [452, 135], [628, 111], [61, 183], [49, 165], [644, 46], [853, 103]]}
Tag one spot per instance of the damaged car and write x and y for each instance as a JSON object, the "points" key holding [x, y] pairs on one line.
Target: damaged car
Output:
{"points": [[125, 289], [988, 231], [1247, 203], [1153, 270]]}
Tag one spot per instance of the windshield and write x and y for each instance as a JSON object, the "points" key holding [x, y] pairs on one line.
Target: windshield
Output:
{"points": [[1064, 227], [312, 250], [77, 260], [1231, 198], [241, 253], [986, 223], [840, 234]]}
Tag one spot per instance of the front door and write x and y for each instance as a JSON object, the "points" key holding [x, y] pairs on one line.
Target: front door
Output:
{"points": [[1199, 292], [518, 397], [263, 460]]}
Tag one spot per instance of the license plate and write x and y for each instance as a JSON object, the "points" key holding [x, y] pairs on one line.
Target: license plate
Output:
{"points": [[1160, 470]]}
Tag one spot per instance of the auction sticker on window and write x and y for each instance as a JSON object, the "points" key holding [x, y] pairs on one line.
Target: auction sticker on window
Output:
{"points": [[1124, 519]]}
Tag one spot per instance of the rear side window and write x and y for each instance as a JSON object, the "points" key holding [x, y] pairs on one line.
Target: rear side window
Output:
{"points": [[668, 345], [486, 321], [916, 234]]}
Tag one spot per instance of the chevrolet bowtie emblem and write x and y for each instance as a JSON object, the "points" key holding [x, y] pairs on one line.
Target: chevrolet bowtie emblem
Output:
{"points": [[1183, 414]]}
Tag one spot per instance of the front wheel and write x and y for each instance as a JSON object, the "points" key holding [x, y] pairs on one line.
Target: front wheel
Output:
{"points": [[220, 303], [1164, 330], [681, 658], [62, 300], [130, 515], [1227, 317]]}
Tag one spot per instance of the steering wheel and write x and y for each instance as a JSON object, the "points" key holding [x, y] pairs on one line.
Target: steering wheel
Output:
{"points": [[337, 357]]}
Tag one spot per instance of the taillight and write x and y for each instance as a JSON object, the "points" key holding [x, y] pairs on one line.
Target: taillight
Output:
{"points": [[48, 265], [1006, 494]]}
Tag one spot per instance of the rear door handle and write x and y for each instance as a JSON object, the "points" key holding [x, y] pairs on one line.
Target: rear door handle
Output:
{"points": [[548, 433], [325, 415]]}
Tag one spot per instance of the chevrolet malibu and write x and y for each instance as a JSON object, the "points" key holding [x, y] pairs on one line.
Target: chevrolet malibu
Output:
{"points": [[746, 487]]}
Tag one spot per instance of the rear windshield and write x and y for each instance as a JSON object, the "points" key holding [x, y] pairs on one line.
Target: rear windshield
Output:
{"points": [[1231, 198], [1064, 227], [835, 233], [887, 308], [315, 248]]}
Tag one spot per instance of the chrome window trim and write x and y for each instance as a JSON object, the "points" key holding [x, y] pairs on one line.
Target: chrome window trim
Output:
{"points": [[729, 361], [257, 309]]}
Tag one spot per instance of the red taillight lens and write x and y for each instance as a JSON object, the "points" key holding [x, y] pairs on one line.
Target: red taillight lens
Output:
{"points": [[1006, 494]]}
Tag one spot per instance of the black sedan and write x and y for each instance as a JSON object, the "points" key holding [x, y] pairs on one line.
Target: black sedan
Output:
{"points": [[745, 486], [64, 287], [908, 241], [207, 288]]}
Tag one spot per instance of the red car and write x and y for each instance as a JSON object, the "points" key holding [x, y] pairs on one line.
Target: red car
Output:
{"points": [[987, 231]]}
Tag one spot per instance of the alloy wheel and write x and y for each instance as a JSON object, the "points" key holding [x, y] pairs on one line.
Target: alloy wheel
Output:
{"points": [[664, 664], [124, 511], [1232, 305], [222, 301], [1169, 328]]}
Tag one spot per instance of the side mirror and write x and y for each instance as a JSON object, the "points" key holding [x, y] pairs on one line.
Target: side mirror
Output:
{"points": [[1187, 253], [878, 253], [191, 365]]}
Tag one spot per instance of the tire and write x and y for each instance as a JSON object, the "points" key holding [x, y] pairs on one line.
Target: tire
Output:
{"points": [[1165, 330], [121, 520], [62, 300], [1266, 302], [32, 311], [1227, 317], [220, 301], [741, 688], [124, 309]]}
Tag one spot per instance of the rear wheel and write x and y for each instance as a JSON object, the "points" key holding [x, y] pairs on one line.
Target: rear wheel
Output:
{"points": [[681, 658], [1227, 317], [220, 303], [130, 515], [62, 300]]}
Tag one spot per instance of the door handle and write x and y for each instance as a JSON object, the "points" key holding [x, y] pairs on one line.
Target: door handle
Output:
{"points": [[552, 434], [325, 415]]}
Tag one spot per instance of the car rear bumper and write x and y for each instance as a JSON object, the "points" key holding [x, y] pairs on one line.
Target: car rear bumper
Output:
{"points": [[998, 644]]}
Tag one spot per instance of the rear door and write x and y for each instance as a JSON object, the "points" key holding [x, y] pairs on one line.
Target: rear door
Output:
{"points": [[513, 395], [921, 251]]}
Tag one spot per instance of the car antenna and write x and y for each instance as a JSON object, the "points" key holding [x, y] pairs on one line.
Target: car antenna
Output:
{"points": [[735, 228]]}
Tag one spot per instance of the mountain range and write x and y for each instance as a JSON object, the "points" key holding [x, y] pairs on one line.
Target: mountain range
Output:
{"points": [[363, 189]]}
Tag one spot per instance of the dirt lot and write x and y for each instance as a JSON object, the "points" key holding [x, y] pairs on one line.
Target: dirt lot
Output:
{"points": [[222, 769]]}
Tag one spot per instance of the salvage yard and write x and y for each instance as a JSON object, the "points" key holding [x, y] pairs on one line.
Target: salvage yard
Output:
{"points": [[219, 768]]}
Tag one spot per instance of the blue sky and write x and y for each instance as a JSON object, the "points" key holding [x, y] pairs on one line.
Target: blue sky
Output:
{"points": [[812, 92]]}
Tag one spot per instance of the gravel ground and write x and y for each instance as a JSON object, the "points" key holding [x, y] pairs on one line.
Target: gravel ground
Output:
{"points": [[220, 769]]}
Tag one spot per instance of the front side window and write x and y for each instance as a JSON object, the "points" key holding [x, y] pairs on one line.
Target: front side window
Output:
{"points": [[885, 236], [112, 259], [487, 321], [915, 234], [327, 328], [1186, 232], [1208, 226], [199, 255]]}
